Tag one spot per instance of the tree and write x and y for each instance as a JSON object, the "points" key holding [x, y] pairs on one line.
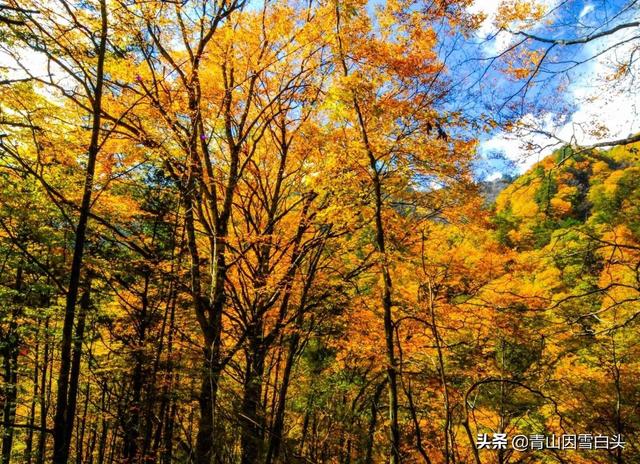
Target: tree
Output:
{"points": [[253, 233], [548, 47], [400, 109]]}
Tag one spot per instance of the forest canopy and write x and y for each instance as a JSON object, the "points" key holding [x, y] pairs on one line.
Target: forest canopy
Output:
{"points": [[334, 231]]}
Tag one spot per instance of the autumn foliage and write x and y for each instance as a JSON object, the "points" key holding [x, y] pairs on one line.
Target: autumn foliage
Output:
{"points": [[253, 233]]}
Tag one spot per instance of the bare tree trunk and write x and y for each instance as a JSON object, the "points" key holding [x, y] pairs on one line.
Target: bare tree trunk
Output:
{"points": [[305, 428], [206, 425], [92, 443], [167, 451], [165, 430], [133, 420], [209, 316], [104, 429], [416, 425]]}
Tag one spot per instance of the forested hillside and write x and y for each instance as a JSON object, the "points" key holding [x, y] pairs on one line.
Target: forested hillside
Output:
{"points": [[255, 232], [572, 221]]}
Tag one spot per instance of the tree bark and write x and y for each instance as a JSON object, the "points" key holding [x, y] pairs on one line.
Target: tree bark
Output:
{"points": [[82, 426]]}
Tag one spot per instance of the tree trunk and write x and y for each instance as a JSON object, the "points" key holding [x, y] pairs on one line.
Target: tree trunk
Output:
{"points": [[209, 316], [373, 420], [65, 397], [252, 419], [74, 378], [44, 407], [275, 438], [208, 393], [448, 433], [167, 451], [82, 426], [165, 428], [416, 425], [392, 368], [10, 377], [92, 444], [305, 427], [133, 419], [28, 452], [102, 444], [10, 374]]}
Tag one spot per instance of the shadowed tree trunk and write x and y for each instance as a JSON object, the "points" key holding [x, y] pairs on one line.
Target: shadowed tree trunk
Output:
{"points": [[28, 452], [373, 421], [275, 438], [44, 407], [252, 414], [10, 345], [67, 387], [10, 380]]}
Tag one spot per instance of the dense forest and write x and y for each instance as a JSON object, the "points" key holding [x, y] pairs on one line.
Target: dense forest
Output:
{"points": [[256, 233]]}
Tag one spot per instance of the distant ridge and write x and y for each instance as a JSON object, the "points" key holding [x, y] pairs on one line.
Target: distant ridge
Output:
{"points": [[490, 189]]}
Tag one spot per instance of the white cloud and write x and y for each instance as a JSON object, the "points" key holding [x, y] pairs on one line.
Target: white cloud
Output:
{"points": [[493, 176], [603, 102], [487, 32], [496, 41], [523, 152], [586, 10]]}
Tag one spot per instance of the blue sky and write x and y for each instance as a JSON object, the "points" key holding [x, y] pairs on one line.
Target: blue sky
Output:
{"points": [[576, 104], [589, 107]]}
